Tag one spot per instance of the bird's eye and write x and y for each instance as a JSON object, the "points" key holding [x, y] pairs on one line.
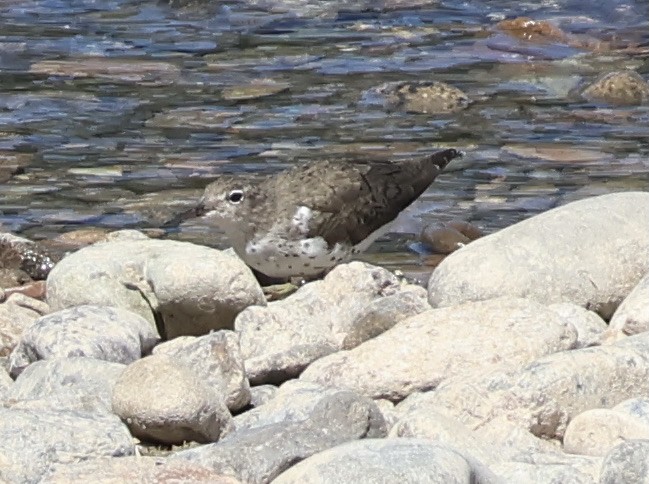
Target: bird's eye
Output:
{"points": [[235, 196]]}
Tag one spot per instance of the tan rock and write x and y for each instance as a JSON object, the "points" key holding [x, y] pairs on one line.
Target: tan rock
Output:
{"points": [[423, 351], [162, 400]]}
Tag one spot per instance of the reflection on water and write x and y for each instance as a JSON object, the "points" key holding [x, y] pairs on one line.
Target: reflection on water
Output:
{"points": [[115, 114]]}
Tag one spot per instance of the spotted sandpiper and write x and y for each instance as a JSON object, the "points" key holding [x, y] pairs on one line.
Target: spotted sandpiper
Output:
{"points": [[307, 219]]}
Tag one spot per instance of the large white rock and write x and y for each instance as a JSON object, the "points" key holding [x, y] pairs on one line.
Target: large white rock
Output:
{"points": [[424, 350], [591, 252], [189, 288], [546, 394]]}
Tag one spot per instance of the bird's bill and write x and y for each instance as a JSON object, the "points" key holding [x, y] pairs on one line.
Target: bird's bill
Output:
{"points": [[194, 212]]}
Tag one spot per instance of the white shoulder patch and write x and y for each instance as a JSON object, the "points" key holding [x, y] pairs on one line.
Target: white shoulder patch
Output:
{"points": [[301, 219]]}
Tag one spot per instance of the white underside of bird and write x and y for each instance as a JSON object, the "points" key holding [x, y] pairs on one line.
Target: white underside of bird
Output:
{"points": [[295, 255]]}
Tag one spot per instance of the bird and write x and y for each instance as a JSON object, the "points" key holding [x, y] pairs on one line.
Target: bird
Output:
{"points": [[305, 220]]}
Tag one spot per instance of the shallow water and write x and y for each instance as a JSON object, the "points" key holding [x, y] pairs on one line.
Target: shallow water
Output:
{"points": [[119, 112]]}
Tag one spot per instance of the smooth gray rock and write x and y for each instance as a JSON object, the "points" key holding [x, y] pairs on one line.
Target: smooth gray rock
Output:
{"points": [[591, 252], [280, 340], [192, 289], [162, 400], [101, 332], [294, 401], [216, 359], [82, 379], [258, 455], [425, 350], [415, 461], [627, 462], [32, 441]]}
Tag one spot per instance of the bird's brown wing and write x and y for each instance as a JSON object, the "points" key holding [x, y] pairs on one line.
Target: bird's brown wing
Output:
{"points": [[353, 200]]}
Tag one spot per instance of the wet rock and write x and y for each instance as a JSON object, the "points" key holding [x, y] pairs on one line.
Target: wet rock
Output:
{"points": [[134, 469], [389, 460], [423, 351], [295, 401], [544, 32], [596, 431], [32, 441], [84, 380], [17, 314], [632, 316], [258, 455], [444, 238], [550, 257], [424, 97], [105, 333], [279, 341], [135, 70], [162, 400], [79, 238], [194, 118], [531, 30], [626, 462], [20, 253], [558, 153], [12, 163], [618, 88], [216, 359], [190, 289], [546, 394], [590, 327], [254, 90]]}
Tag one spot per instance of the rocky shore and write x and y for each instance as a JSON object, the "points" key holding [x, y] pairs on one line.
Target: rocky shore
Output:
{"points": [[526, 359]]}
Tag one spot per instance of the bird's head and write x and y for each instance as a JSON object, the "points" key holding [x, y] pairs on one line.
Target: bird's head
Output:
{"points": [[226, 204]]}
